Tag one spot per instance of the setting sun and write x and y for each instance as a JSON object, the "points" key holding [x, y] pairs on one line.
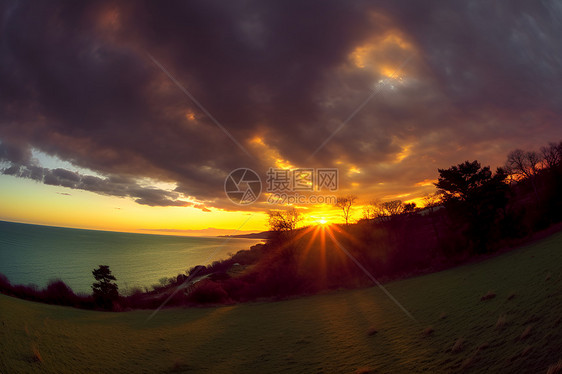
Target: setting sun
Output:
{"points": [[256, 186]]}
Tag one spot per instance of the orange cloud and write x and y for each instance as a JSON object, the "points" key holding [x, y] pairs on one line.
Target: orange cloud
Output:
{"points": [[378, 54], [269, 153], [426, 182]]}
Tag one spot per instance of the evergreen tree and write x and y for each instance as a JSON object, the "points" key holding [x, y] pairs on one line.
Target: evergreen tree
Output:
{"points": [[105, 290], [473, 196]]}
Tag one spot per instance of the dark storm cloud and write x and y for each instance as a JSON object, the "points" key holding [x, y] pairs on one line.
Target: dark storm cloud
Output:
{"points": [[76, 82], [106, 186], [22, 165], [14, 154]]}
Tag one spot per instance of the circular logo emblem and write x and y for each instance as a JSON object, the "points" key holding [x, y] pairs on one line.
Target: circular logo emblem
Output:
{"points": [[242, 186]]}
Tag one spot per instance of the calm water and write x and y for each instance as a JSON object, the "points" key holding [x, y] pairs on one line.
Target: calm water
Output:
{"points": [[36, 254]]}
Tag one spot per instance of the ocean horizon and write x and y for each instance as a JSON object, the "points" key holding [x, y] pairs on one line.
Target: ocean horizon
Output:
{"points": [[36, 254]]}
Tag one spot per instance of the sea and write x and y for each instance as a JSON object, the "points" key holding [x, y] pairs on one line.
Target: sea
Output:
{"points": [[33, 254]]}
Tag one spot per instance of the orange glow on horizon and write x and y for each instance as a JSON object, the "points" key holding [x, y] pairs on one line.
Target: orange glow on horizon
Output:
{"points": [[29, 202]]}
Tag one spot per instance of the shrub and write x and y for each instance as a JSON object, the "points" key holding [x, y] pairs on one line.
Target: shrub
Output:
{"points": [[57, 292], [208, 292], [4, 283]]}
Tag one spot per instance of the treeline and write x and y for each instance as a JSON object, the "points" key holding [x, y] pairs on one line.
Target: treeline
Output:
{"points": [[56, 292], [491, 210], [474, 211], [105, 295]]}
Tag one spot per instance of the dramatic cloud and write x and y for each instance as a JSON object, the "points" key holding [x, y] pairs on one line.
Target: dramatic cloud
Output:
{"points": [[449, 81], [24, 166]]}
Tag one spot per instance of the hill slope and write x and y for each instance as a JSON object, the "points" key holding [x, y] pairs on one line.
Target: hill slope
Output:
{"points": [[332, 333]]}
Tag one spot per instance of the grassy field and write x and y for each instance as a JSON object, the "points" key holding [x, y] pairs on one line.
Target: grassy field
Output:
{"points": [[517, 331]]}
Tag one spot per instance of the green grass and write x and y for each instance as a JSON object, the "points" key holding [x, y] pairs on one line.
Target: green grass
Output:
{"points": [[342, 332]]}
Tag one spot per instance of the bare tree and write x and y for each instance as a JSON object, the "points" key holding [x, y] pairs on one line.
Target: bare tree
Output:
{"points": [[345, 203], [432, 201], [552, 155], [376, 209], [373, 210], [369, 212], [534, 160], [525, 165], [393, 208], [283, 220], [512, 176]]}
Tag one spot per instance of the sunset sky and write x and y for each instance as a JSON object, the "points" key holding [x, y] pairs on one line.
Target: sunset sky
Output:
{"points": [[129, 116]]}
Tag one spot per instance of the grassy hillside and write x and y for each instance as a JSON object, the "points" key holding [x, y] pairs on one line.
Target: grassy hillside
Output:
{"points": [[517, 331]]}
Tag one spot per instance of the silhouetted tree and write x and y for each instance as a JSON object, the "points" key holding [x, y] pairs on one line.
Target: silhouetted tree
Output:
{"points": [[388, 209], [104, 289], [431, 203], [409, 207], [369, 212], [472, 196], [345, 203], [552, 181], [552, 155], [373, 210], [524, 165], [283, 220], [393, 207]]}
